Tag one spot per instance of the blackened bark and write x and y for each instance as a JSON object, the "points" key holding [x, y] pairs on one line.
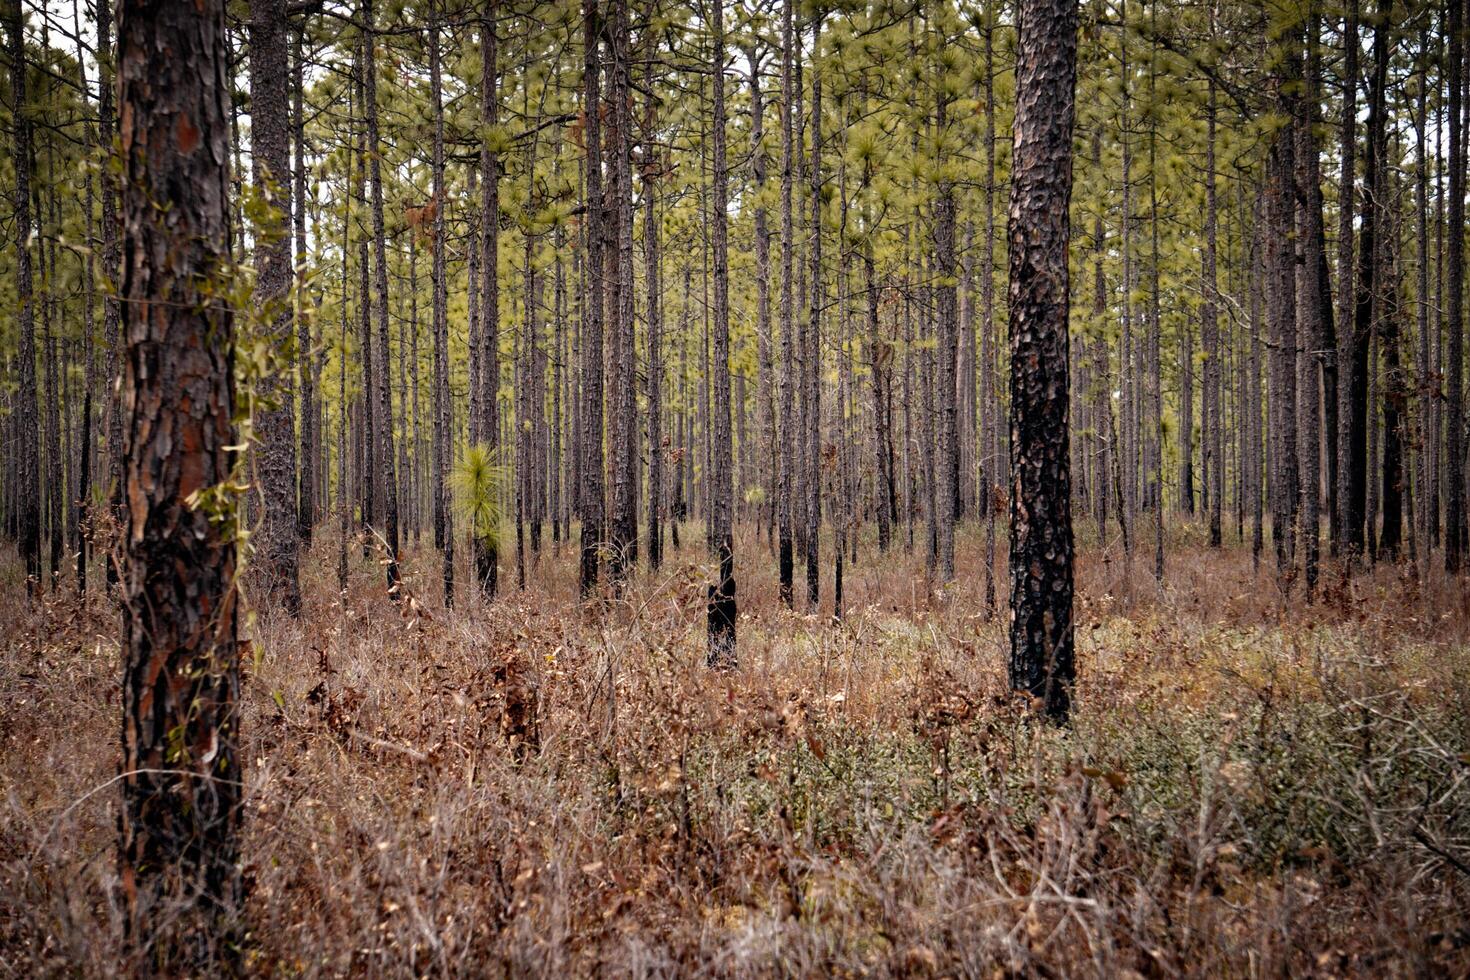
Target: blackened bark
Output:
{"points": [[722, 607], [1355, 459], [1041, 661], [180, 772]]}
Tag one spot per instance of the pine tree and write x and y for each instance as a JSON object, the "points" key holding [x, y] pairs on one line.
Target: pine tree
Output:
{"points": [[1041, 661]]}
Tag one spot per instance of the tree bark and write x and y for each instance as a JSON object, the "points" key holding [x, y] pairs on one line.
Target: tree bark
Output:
{"points": [[487, 559], [948, 311], [592, 463], [311, 442], [1355, 459], [1454, 424], [722, 603], [270, 163], [388, 479], [1041, 661], [622, 430], [443, 432], [786, 491], [652, 172], [180, 771]]}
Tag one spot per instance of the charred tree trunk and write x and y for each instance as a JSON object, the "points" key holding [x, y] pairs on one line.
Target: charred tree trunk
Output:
{"points": [[1355, 459], [1041, 661], [722, 605]]}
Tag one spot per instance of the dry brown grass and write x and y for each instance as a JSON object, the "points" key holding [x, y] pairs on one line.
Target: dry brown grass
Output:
{"points": [[1251, 787]]}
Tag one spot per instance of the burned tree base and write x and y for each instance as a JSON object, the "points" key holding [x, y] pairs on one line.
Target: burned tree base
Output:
{"points": [[722, 611]]}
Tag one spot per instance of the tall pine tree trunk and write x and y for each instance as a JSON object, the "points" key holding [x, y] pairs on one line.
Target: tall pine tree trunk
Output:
{"points": [[722, 604], [387, 480], [270, 160], [311, 442], [591, 435], [443, 431], [178, 857], [487, 427], [786, 490], [1454, 422], [1041, 660], [944, 256], [28, 450]]}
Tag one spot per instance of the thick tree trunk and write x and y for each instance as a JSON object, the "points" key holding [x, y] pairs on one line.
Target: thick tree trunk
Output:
{"points": [[1041, 661], [278, 538], [178, 856]]}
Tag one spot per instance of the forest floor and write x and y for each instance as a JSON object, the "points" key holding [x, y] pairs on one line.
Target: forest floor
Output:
{"points": [[1249, 787]]}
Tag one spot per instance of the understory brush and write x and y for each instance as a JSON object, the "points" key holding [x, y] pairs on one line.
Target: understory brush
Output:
{"points": [[1251, 785]]}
